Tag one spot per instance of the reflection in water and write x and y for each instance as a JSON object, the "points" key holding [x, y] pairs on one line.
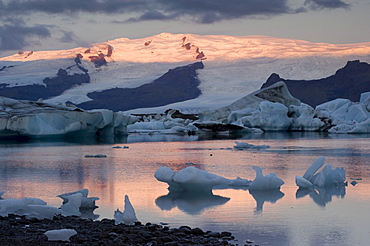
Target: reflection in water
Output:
{"points": [[262, 196], [193, 203], [322, 196]]}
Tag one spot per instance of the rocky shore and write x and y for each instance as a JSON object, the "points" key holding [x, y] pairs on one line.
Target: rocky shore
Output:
{"points": [[18, 230]]}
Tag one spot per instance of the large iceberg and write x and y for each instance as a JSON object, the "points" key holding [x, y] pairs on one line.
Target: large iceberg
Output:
{"points": [[39, 119], [275, 109]]}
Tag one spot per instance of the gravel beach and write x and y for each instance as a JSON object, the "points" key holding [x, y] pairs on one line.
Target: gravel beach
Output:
{"points": [[17, 230]]}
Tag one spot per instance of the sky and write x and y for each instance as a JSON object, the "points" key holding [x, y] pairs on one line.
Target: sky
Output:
{"points": [[65, 24]]}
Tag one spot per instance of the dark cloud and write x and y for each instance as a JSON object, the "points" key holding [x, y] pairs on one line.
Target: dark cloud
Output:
{"points": [[16, 37], [326, 4], [15, 34], [204, 11]]}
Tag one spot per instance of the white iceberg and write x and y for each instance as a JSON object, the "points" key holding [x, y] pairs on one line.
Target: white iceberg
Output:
{"points": [[328, 177], [189, 179], [265, 182], [72, 207], [128, 216], [60, 235], [86, 202]]}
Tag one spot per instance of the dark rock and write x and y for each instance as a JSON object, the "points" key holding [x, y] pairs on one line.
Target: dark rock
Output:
{"points": [[348, 82], [218, 127], [98, 60], [54, 86], [177, 85]]}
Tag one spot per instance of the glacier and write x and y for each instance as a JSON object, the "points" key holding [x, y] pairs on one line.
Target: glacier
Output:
{"points": [[233, 66], [268, 109]]}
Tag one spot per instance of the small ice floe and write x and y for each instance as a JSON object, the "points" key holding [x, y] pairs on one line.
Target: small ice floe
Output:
{"points": [[96, 156], [1, 194], [128, 216], [60, 235], [265, 182], [327, 177], [245, 145], [72, 207], [86, 202], [10, 206]]}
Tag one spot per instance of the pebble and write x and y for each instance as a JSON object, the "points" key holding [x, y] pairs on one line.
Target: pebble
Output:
{"points": [[104, 232]]}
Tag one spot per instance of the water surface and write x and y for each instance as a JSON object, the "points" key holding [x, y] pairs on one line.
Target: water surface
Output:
{"points": [[286, 217]]}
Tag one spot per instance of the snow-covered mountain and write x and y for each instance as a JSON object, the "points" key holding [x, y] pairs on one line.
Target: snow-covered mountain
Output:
{"points": [[232, 67]]}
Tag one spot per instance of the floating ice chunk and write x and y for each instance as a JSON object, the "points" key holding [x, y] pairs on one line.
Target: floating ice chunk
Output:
{"points": [[72, 207], [326, 178], [60, 235], [128, 216], [261, 182], [189, 179], [245, 145], [86, 202]]}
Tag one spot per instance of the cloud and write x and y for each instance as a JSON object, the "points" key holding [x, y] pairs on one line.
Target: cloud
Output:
{"points": [[205, 11], [326, 4], [18, 36]]}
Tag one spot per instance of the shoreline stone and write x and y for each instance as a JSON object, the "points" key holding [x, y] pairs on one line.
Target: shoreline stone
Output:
{"points": [[18, 230]]}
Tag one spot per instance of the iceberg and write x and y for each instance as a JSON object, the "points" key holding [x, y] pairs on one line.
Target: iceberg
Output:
{"points": [[189, 179], [86, 202], [274, 109], [72, 207], [192, 179], [327, 177], [128, 216], [265, 182], [40, 119]]}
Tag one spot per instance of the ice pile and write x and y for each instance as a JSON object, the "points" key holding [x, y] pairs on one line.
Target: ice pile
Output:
{"points": [[164, 124], [128, 216], [192, 179], [275, 109], [327, 177]]}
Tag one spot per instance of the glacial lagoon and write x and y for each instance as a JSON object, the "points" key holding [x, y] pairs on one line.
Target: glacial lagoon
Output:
{"points": [[336, 216]]}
